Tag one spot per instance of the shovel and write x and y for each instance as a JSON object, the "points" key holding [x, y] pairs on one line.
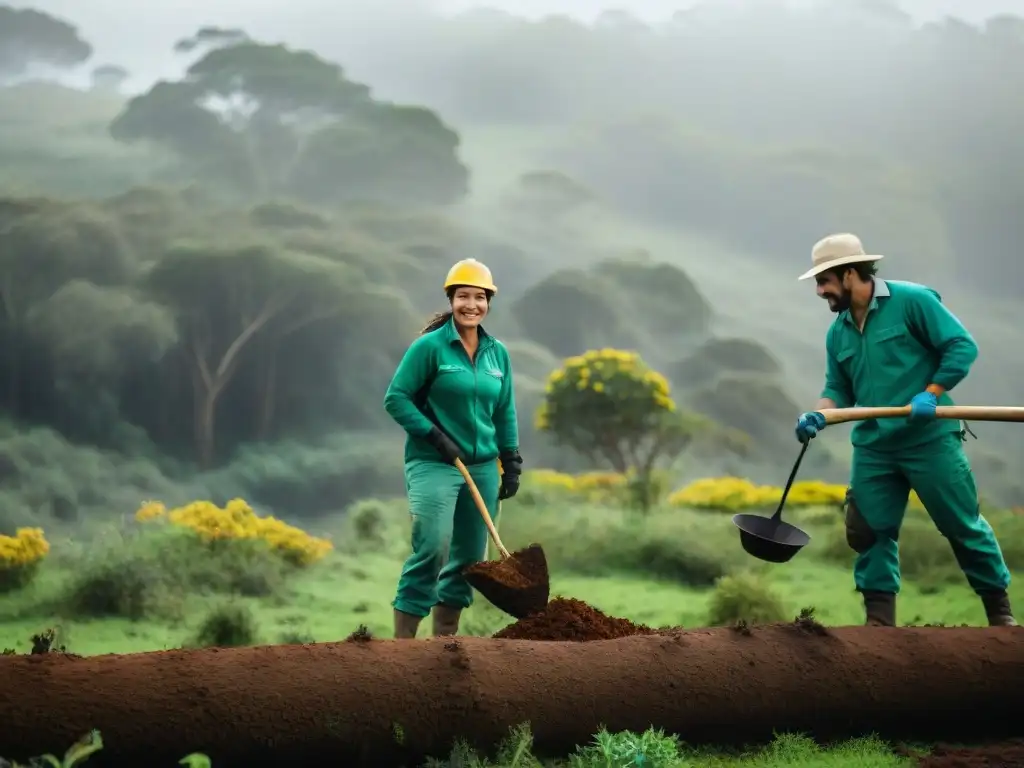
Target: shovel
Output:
{"points": [[774, 541], [768, 538], [517, 583]]}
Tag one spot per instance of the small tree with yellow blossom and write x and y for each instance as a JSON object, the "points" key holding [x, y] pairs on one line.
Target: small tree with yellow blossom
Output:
{"points": [[609, 407]]}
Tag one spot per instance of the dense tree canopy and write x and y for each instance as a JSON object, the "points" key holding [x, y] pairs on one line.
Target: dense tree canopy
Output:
{"points": [[240, 268], [29, 37], [741, 121], [264, 120]]}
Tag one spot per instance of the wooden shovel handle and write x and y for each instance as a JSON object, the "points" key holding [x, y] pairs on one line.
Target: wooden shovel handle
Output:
{"points": [[964, 412], [480, 505]]}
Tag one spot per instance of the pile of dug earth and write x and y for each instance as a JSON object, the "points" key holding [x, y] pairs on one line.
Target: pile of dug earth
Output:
{"points": [[566, 619]]}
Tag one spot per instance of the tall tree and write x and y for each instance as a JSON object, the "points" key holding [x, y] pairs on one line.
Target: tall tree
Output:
{"points": [[29, 37], [269, 120], [232, 301]]}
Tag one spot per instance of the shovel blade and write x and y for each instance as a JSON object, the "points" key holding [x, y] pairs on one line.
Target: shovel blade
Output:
{"points": [[518, 585]]}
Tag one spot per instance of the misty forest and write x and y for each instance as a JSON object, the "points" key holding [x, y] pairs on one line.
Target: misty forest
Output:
{"points": [[222, 227], [215, 249]]}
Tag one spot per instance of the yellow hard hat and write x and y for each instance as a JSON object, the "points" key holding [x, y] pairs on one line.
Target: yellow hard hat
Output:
{"points": [[470, 272]]}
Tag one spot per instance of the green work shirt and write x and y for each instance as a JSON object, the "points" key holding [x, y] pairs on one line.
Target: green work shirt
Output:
{"points": [[471, 401], [910, 340]]}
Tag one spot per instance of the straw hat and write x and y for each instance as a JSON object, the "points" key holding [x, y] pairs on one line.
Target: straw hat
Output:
{"points": [[836, 250]]}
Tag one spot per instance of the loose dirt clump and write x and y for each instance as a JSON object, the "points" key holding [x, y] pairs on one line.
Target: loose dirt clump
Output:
{"points": [[567, 619], [518, 585], [1004, 754], [519, 571]]}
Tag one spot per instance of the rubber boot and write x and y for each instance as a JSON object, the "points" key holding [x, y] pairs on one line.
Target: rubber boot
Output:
{"points": [[406, 625], [446, 620], [880, 609], [997, 609]]}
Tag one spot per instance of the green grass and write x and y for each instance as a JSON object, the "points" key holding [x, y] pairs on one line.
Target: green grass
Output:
{"points": [[662, 571], [651, 749]]}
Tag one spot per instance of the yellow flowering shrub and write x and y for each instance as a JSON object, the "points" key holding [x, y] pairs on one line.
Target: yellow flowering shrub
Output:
{"points": [[237, 521], [609, 407], [596, 487], [734, 494], [612, 387], [20, 556]]}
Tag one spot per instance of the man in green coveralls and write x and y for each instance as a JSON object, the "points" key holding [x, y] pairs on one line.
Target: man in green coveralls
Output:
{"points": [[453, 394], [894, 343]]}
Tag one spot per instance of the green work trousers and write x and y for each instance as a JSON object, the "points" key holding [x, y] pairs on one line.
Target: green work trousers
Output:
{"points": [[448, 534], [941, 475]]}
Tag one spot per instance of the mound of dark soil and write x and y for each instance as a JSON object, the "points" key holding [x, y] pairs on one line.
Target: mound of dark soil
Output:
{"points": [[567, 619]]}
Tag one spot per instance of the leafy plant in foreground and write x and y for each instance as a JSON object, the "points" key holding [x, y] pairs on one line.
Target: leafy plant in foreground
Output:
{"points": [[90, 743], [651, 749]]}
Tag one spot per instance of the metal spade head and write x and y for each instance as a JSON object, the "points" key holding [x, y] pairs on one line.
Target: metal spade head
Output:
{"points": [[518, 585], [768, 538]]}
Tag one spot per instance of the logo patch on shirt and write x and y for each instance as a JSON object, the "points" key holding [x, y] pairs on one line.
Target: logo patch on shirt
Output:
{"points": [[496, 373], [449, 368]]}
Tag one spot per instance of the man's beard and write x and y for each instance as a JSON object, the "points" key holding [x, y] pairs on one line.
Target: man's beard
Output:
{"points": [[839, 303]]}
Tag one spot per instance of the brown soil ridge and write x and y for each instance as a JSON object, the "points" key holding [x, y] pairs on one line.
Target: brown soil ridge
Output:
{"points": [[343, 701], [1006, 754]]}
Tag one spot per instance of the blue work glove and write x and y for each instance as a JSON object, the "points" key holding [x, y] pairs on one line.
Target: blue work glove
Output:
{"points": [[809, 425], [922, 407]]}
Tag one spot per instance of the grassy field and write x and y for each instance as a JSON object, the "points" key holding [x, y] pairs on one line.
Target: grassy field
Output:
{"points": [[658, 570], [672, 567]]}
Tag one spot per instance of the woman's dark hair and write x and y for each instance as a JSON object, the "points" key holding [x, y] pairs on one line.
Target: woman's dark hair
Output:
{"points": [[441, 318], [437, 321]]}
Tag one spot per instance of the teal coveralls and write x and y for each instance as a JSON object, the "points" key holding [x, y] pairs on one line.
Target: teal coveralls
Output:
{"points": [[910, 340], [473, 402]]}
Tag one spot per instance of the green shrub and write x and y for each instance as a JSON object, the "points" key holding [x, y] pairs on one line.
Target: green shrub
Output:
{"points": [[227, 626], [685, 547], [744, 597], [925, 555], [148, 573], [130, 587], [315, 480], [369, 520]]}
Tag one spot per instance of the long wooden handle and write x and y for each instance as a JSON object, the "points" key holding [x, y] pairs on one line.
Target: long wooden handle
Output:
{"points": [[965, 412], [480, 505]]}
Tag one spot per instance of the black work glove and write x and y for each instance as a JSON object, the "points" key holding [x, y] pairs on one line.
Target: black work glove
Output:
{"points": [[511, 468], [445, 446]]}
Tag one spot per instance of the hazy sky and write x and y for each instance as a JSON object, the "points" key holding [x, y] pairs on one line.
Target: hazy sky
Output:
{"points": [[139, 35]]}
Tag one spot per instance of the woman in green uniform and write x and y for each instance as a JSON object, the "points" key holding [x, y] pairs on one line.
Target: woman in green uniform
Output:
{"points": [[453, 394]]}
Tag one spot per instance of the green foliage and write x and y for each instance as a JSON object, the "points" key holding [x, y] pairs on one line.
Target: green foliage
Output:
{"points": [[693, 549], [368, 521], [149, 573], [91, 743], [381, 150], [673, 306], [227, 626], [29, 37], [651, 748], [312, 479], [572, 311], [718, 356], [608, 406], [744, 597], [926, 558]]}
